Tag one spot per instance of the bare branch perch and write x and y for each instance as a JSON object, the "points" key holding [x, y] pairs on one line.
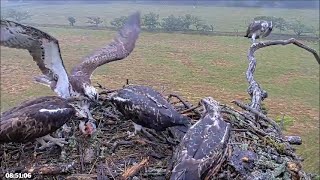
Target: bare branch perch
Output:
{"points": [[254, 90]]}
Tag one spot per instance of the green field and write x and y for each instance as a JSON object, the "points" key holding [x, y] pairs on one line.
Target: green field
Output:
{"points": [[193, 66]]}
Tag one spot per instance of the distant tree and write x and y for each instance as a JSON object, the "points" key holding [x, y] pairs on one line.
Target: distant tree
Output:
{"points": [[197, 23], [281, 24], [94, 20], [119, 22], [206, 28], [151, 21], [16, 15], [172, 23], [299, 28], [188, 20], [211, 27], [71, 20], [278, 23]]}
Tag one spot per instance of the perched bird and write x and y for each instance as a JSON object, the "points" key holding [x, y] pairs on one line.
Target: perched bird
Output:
{"points": [[46, 53], [36, 119], [202, 145], [147, 108], [259, 29]]}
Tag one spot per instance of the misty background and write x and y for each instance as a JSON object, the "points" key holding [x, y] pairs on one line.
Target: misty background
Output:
{"points": [[309, 4]]}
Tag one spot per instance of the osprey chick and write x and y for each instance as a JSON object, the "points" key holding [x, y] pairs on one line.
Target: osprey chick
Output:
{"points": [[36, 119], [147, 108], [202, 145]]}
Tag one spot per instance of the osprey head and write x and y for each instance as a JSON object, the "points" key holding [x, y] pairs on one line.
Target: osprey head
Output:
{"points": [[90, 92], [87, 123], [209, 104]]}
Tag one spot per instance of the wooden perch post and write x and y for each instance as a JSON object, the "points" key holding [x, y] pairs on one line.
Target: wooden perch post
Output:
{"points": [[254, 90]]}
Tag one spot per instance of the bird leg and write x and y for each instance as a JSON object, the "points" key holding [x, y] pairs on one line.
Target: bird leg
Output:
{"points": [[58, 141], [253, 38], [137, 128]]}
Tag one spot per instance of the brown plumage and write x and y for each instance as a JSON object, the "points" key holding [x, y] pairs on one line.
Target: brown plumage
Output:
{"points": [[46, 52], [202, 146], [34, 119], [43, 48], [121, 46]]}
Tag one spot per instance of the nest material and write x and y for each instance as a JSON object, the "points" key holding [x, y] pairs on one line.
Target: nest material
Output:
{"points": [[255, 149]]}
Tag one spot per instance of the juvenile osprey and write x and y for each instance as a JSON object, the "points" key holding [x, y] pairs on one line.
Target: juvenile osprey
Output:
{"points": [[259, 28], [147, 108], [36, 119], [202, 145], [46, 53]]}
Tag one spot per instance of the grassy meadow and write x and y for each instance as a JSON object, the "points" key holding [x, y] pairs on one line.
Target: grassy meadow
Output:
{"points": [[193, 66]]}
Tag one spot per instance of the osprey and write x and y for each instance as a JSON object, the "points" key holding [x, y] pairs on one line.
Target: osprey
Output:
{"points": [[148, 108], [202, 145], [46, 53], [36, 119], [259, 28]]}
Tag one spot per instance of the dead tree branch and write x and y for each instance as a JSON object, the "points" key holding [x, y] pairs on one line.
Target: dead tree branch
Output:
{"points": [[254, 90]]}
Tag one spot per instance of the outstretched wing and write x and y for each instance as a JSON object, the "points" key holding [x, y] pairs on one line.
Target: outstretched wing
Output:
{"points": [[42, 47], [121, 46]]}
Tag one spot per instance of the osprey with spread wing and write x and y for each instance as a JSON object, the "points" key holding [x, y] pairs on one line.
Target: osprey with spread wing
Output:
{"points": [[46, 53]]}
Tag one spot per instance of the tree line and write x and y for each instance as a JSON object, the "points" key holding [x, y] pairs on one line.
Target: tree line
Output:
{"points": [[152, 22], [310, 4]]}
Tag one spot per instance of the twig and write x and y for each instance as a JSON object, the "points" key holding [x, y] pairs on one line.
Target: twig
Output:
{"points": [[133, 170], [101, 175], [180, 99], [259, 114], [108, 91], [49, 169], [119, 143], [254, 90], [82, 176], [184, 103], [190, 109]]}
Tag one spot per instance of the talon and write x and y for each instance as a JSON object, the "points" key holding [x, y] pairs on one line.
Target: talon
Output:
{"points": [[53, 141]]}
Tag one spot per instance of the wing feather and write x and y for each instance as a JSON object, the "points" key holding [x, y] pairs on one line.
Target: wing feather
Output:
{"points": [[34, 121], [121, 46], [267, 33], [28, 103], [253, 27], [42, 47]]}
